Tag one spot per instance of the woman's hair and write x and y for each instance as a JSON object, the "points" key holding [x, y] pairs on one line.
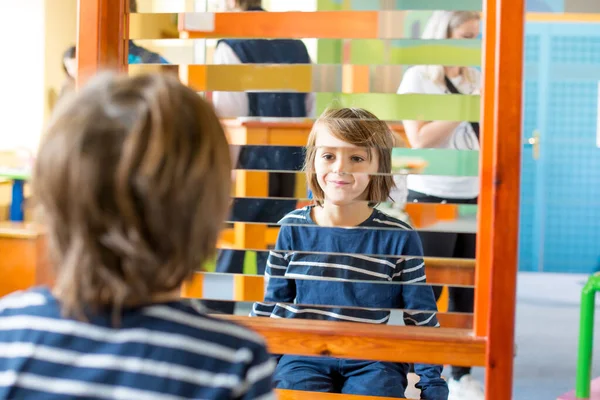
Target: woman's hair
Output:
{"points": [[248, 4], [133, 180], [69, 53], [358, 127], [440, 26]]}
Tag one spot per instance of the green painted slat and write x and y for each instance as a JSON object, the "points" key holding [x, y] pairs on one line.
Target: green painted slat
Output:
{"points": [[416, 52], [367, 52], [440, 162], [14, 174], [446, 5], [394, 107]]}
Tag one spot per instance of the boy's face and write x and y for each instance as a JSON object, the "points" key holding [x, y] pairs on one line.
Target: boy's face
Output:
{"points": [[342, 169], [71, 67]]}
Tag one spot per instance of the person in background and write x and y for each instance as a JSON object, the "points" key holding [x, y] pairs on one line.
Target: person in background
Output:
{"points": [[275, 158], [139, 54], [69, 64], [132, 177], [437, 79]]}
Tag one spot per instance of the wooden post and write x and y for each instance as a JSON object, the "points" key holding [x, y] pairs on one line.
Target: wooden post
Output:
{"points": [[486, 176], [102, 37], [505, 191]]}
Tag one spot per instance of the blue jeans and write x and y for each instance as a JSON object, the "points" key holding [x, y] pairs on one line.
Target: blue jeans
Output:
{"points": [[332, 375]]}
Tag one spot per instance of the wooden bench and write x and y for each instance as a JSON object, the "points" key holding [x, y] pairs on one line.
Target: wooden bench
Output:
{"points": [[302, 395], [368, 342]]}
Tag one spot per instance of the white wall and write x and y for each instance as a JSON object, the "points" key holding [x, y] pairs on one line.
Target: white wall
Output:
{"points": [[21, 73]]}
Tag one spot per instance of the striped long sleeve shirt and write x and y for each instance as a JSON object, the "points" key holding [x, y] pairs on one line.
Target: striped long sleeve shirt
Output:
{"points": [[355, 275], [166, 351]]}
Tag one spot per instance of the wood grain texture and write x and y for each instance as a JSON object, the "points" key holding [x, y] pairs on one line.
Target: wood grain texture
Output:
{"points": [[23, 262], [505, 217], [102, 37], [302, 395], [17, 263], [282, 133], [486, 176], [370, 342]]}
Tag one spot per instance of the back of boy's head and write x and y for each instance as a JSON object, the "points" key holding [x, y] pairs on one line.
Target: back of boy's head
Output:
{"points": [[133, 180], [358, 127]]}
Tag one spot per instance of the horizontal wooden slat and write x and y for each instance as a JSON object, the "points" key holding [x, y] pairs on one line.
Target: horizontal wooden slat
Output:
{"points": [[303, 395], [380, 54], [168, 6], [293, 24], [244, 77], [394, 107], [371, 342]]}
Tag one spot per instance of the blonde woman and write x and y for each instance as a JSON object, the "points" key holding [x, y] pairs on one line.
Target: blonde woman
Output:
{"points": [[437, 79]]}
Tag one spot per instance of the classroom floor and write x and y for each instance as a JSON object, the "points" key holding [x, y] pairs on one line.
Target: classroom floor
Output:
{"points": [[546, 335]]}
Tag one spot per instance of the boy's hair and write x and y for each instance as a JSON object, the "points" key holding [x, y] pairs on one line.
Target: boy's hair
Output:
{"points": [[133, 180], [247, 4], [133, 6], [358, 127]]}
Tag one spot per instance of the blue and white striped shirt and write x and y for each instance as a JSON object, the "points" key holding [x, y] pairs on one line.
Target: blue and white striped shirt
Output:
{"points": [[323, 267], [316, 272], [164, 351]]}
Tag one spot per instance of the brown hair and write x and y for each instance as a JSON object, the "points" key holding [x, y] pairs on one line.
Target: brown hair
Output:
{"points": [[358, 127], [247, 4], [133, 180]]}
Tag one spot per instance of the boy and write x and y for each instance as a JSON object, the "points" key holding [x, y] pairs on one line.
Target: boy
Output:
{"points": [[132, 178]]}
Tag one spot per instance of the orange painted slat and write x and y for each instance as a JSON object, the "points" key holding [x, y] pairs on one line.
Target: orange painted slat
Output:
{"points": [[320, 24], [303, 395], [193, 288]]}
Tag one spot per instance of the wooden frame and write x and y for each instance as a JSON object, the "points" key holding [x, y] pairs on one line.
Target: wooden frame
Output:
{"points": [[491, 342], [102, 37]]}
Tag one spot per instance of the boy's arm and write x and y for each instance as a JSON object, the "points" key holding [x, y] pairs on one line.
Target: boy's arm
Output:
{"points": [[419, 297], [278, 289]]}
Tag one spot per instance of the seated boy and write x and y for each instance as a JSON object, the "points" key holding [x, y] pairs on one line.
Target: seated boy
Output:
{"points": [[132, 178]]}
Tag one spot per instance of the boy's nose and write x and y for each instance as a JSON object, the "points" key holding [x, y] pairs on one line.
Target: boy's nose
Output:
{"points": [[340, 167]]}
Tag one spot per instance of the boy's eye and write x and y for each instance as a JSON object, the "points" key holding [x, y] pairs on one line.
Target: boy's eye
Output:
{"points": [[357, 159], [327, 156]]}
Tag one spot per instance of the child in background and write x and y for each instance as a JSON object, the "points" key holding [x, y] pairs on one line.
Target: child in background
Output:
{"points": [[133, 179], [345, 148]]}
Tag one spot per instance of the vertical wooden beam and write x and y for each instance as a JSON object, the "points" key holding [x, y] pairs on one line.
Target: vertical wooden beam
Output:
{"points": [[102, 37], [505, 217], [486, 174]]}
